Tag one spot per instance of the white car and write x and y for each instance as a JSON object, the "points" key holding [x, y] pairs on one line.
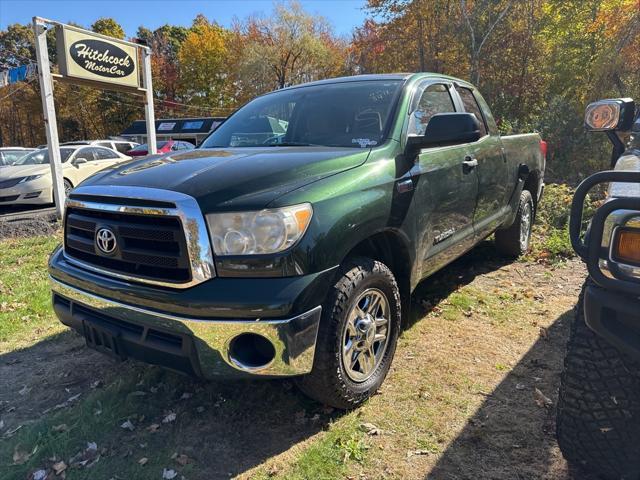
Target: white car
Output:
{"points": [[29, 181], [122, 146], [10, 155]]}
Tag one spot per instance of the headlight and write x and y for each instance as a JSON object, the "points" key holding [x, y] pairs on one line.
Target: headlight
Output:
{"points": [[626, 246], [31, 177], [258, 233]]}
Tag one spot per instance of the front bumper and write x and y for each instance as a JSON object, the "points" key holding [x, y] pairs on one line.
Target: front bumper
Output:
{"points": [[615, 317], [196, 346], [34, 192]]}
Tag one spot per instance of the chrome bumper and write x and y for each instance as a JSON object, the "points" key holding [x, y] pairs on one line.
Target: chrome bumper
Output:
{"points": [[293, 339]]}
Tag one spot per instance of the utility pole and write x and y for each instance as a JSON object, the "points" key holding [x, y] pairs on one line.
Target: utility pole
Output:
{"points": [[421, 44], [49, 113]]}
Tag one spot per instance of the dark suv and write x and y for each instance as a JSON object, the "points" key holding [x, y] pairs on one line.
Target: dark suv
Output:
{"points": [[598, 424]]}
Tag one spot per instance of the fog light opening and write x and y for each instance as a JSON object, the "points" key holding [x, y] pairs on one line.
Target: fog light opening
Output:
{"points": [[250, 351]]}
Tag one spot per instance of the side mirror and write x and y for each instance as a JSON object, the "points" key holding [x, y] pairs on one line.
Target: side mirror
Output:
{"points": [[447, 129], [611, 115], [79, 161]]}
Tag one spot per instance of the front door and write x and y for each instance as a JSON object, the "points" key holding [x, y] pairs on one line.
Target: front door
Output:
{"points": [[445, 191]]}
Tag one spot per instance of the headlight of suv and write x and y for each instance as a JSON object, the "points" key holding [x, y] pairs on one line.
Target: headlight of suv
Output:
{"points": [[30, 177], [258, 233], [626, 246]]}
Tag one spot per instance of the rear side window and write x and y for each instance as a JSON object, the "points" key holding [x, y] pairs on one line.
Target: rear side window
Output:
{"points": [[105, 154], [433, 100], [104, 144], [122, 147], [471, 106]]}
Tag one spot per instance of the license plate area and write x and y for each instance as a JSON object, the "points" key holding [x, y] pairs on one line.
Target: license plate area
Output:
{"points": [[104, 339]]}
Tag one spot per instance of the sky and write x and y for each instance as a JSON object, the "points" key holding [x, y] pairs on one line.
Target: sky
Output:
{"points": [[344, 15]]}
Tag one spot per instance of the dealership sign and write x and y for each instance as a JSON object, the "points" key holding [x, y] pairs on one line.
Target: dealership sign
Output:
{"points": [[87, 56]]}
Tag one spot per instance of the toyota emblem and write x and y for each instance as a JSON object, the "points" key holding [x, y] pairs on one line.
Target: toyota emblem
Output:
{"points": [[106, 240]]}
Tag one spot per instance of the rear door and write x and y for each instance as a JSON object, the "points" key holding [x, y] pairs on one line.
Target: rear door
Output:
{"points": [[492, 169], [445, 193], [105, 157]]}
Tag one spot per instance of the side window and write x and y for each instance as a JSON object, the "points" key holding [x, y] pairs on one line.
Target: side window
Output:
{"points": [[123, 147], [433, 100], [471, 106], [105, 154], [86, 153]]}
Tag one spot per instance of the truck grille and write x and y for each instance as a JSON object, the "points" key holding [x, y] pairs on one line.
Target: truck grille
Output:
{"points": [[149, 247]]}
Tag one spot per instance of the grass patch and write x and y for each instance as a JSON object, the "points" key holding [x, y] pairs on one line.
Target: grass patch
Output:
{"points": [[550, 242], [25, 298]]}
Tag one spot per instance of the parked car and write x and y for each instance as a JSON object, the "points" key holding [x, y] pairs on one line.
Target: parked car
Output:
{"points": [[598, 420], [164, 146], [122, 146], [9, 155], [290, 242], [29, 179]]}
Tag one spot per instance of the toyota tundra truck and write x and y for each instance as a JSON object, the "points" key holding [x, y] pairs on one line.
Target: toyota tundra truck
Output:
{"points": [[598, 424], [290, 242]]}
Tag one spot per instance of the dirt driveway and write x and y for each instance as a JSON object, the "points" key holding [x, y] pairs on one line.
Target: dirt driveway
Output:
{"points": [[471, 395]]}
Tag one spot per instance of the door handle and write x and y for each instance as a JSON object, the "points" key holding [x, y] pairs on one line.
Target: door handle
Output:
{"points": [[469, 164]]}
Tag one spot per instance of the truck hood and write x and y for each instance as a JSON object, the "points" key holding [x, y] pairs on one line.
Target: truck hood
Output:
{"points": [[233, 178]]}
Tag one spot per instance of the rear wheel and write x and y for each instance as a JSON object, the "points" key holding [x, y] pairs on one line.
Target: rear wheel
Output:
{"points": [[357, 335], [598, 419], [515, 240]]}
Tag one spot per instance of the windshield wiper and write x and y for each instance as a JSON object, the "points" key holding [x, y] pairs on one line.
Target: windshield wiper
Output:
{"points": [[292, 144]]}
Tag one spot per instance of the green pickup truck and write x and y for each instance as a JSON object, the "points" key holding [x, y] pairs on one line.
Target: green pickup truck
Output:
{"points": [[289, 244]]}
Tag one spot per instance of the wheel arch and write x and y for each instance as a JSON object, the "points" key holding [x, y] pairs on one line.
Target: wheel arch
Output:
{"points": [[391, 248]]}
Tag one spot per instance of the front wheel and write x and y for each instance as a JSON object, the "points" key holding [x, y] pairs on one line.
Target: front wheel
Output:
{"points": [[357, 335], [598, 419], [515, 240]]}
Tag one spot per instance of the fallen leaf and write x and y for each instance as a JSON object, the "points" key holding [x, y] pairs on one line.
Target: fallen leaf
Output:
{"points": [[186, 396], [24, 390], [370, 428], [39, 475], [60, 428], [520, 386], [169, 474], [92, 446], [411, 453], [59, 467], [541, 399], [128, 426], [182, 459], [21, 456], [154, 427], [143, 461], [170, 417]]}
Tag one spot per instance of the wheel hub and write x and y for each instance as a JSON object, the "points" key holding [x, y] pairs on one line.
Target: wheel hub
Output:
{"points": [[365, 335]]}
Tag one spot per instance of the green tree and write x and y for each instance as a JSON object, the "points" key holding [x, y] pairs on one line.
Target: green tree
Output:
{"points": [[109, 27]]}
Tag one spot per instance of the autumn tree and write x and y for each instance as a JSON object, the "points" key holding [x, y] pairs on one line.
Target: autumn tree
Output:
{"points": [[288, 47], [204, 64]]}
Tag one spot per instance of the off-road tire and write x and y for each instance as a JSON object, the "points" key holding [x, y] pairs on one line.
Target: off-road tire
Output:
{"points": [[508, 240], [328, 383], [598, 418]]}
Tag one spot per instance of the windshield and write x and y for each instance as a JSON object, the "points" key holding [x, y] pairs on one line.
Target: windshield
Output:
{"points": [[41, 157], [349, 114], [144, 147], [12, 156]]}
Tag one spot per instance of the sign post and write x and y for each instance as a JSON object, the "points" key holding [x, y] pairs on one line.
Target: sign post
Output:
{"points": [[49, 113], [91, 59], [148, 104]]}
